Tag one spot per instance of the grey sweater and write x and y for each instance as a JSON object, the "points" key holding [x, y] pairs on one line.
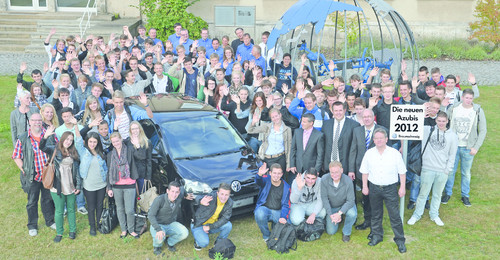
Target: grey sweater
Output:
{"points": [[311, 195], [162, 213], [337, 197], [441, 150]]}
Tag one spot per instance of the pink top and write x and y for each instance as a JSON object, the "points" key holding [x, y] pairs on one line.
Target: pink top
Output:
{"points": [[126, 181]]}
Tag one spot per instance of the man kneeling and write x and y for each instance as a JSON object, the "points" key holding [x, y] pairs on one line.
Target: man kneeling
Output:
{"points": [[163, 218], [273, 201], [306, 198], [337, 194], [212, 216]]}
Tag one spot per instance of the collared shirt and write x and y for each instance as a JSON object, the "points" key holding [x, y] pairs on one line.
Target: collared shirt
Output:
{"points": [[335, 122], [40, 157], [275, 141], [383, 169], [305, 137]]}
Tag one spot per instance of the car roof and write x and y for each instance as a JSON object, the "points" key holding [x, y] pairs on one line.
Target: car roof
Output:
{"points": [[173, 102]]}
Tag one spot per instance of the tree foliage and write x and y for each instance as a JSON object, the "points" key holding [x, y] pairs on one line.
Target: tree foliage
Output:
{"points": [[487, 27], [163, 14]]}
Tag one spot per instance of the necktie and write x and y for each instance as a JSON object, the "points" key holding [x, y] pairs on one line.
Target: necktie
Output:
{"points": [[367, 139], [335, 143]]}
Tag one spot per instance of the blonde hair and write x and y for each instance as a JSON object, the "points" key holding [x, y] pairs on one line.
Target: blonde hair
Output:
{"points": [[115, 134], [118, 94], [55, 120], [143, 139], [64, 75], [88, 113]]}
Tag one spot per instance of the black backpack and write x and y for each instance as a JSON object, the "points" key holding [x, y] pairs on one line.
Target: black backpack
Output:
{"points": [[224, 246], [283, 238], [310, 232]]}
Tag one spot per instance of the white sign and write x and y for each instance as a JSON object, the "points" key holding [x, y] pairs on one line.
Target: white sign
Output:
{"points": [[407, 122]]}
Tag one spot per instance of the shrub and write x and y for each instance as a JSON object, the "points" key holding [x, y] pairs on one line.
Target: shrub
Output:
{"points": [[476, 53], [495, 55], [163, 14], [430, 52], [487, 27]]}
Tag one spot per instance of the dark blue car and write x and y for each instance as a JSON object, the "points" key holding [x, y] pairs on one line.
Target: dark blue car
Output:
{"points": [[196, 144]]}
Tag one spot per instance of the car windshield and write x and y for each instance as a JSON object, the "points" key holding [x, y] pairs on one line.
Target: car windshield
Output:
{"points": [[196, 137]]}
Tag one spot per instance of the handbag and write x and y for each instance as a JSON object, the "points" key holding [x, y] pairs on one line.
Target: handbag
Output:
{"points": [[109, 218], [147, 197], [415, 158], [48, 173], [141, 223], [310, 232]]}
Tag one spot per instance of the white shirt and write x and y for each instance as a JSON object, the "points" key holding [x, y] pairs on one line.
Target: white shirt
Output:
{"points": [[383, 169], [335, 122], [160, 84], [461, 123]]}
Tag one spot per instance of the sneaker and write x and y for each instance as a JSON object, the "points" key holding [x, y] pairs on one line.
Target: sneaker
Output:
{"points": [[33, 232], [265, 240], [346, 238], [92, 232], [466, 201], [53, 226], [82, 210], [412, 221], [438, 221], [172, 248], [72, 235], [57, 239], [445, 199], [196, 247], [411, 205], [157, 250]]}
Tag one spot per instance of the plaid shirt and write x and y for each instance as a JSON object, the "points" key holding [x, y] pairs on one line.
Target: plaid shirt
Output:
{"points": [[40, 157]]}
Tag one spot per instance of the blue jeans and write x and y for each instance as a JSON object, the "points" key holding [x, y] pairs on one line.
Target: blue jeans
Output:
{"points": [[299, 211], [262, 216], [175, 231], [463, 155], [350, 218], [80, 200], [201, 238], [436, 181]]}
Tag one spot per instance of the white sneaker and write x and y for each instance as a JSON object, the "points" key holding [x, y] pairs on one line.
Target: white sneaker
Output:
{"points": [[438, 221], [33, 232], [53, 226], [83, 210], [412, 221]]}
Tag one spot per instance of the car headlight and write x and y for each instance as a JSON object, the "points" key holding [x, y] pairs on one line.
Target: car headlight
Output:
{"points": [[196, 187]]}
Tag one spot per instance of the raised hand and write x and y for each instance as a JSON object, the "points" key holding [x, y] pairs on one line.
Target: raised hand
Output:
{"points": [[472, 79], [374, 72], [263, 169], [300, 181], [403, 65], [332, 66], [205, 201], [22, 67], [284, 88], [142, 67], [236, 99], [55, 84], [303, 58], [143, 99], [52, 31], [50, 131]]}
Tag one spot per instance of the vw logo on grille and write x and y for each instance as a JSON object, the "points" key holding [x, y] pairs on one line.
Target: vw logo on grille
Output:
{"points": [[236, 186]]}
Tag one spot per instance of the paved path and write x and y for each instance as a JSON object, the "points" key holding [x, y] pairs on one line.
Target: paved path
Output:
{"points": [[487, 72]]}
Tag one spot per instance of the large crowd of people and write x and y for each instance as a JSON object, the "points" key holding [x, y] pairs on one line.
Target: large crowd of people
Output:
{"points": [[319, 140]]}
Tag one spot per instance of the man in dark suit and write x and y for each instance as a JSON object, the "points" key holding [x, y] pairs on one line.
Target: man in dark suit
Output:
{"points": [[307, 148], [338, 137], [362, 140]]}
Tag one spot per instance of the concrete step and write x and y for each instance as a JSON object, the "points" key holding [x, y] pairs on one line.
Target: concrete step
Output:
{"points": [[15, 41], [18, 28], [4, 21], [7, 47], [14, 35]]}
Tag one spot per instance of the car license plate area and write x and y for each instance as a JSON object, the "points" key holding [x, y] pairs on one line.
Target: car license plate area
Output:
{"points": [[243, 202]]}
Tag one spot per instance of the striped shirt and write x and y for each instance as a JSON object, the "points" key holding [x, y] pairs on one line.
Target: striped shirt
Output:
{"points": [[40, 157]]}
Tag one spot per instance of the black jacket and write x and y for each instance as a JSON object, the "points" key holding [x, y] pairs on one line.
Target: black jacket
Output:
{"points": [[160, 212], [132, 167], [203, 213]]}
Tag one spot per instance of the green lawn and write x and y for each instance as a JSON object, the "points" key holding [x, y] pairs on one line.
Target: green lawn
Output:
{"points": [[468, 232]]}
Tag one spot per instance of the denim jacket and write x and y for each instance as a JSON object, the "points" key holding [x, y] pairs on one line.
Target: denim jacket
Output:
{"points": [[86, 158]]}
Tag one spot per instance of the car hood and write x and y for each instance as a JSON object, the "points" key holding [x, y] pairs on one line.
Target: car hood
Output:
{"points": [[215, 169]]}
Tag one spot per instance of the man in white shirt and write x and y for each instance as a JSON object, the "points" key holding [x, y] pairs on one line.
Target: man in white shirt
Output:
{"points": [[380, 167]]}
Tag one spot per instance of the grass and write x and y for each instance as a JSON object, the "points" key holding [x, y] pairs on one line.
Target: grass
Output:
{"points": [[468, 232]]}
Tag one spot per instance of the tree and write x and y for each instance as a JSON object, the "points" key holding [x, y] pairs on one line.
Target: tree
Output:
{"points": [[487, 27], [163, 14]]}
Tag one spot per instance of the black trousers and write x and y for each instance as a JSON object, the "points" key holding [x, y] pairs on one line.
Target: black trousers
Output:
{"points": [[34, 191], [388, 194], [281, 160], [94, 205]]}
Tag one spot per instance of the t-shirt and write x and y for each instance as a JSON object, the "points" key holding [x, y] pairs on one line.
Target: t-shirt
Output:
{"points": [[461, 123], [94, 180], [273, 200], [191, 84], [123, 128], [216, 214]]}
